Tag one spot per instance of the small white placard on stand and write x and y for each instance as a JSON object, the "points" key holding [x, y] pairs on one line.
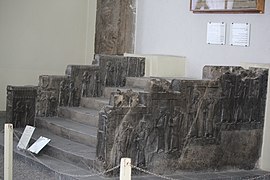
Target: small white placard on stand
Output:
{"points": [[39, 144], [26, 136], [216, 33], [240, 34]]}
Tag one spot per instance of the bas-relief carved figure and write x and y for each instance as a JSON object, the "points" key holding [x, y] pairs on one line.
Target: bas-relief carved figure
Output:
{"points": [[21, 105], [185, 115]]}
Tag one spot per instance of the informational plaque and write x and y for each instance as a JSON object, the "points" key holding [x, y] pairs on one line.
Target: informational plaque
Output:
{"points": [[39, 144], [25, 138], [240, 34], [216, 33]]}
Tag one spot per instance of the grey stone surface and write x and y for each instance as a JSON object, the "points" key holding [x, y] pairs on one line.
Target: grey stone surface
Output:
{"points": [[115, 26], [187, 124], [65, 150], [138, 82], [69, 129], [96, 103], [80, 114]]}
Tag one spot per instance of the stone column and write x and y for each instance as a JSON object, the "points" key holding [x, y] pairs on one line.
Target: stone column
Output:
{"points": [[115, 26]]}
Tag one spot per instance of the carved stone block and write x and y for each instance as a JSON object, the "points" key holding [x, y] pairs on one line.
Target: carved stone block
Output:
{"points": [[188, 124], [52, 92], [86, 81], [20, 109], [115, 69], [115, 26]]}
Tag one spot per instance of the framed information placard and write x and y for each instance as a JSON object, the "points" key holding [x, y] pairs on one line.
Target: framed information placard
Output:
{"points": [[227, 6], [216, 33], [239, 34]]}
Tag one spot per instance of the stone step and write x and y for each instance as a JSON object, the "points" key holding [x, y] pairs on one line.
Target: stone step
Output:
{"points": [[64, 149], [69, 129], [108, 90], [96, 103], [56, 168], [138, 82], [80, 114]]}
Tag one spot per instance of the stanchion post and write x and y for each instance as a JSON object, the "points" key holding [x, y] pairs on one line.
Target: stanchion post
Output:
{"points": [[8, 152], [125, 169]]}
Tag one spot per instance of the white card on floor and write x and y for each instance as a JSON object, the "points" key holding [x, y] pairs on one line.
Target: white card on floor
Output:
{"points": [[25, 138], [39, 144]]}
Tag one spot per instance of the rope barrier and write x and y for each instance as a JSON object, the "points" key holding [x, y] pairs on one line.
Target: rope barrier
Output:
{"points": [[116, 167], [151, 173]]}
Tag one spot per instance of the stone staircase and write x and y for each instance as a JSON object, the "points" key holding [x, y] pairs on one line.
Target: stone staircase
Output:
{"points": [[73, 133], [93, 119]]}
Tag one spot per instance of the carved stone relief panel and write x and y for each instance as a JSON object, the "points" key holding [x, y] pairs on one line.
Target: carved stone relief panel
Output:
{"points": [[21, 105], [85, 81], [52, 91], [115, 26], [115, 69], [188, 124], [213, 72]]}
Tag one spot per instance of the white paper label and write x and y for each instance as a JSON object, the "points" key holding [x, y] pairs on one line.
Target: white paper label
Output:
{"points": [[25, 138], [39, 145]]}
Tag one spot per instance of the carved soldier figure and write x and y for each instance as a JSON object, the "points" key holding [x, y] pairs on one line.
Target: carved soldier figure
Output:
{"points": [[193, 112], [27, 113], [85, 83], [140, 141], [227, 97], [101, 146], [62, 93], [142, 68], [52, 106], [160, 125], [19, 113], [71, 92], [94, 84], [108, 74], [47, 105], [239, 93], [43, 104], [175, 124], [253, 99], [119, 72], [210, 104]]}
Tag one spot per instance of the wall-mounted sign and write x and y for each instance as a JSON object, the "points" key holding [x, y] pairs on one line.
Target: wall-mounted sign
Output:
{"points": [[216, 33], [240, 34]]}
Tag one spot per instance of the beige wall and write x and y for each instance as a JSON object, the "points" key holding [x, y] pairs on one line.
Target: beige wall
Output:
{"points": [[43, 37]]}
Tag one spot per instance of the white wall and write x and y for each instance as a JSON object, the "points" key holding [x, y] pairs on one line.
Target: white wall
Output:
{"points": [[43, 37], [168, 27]]}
